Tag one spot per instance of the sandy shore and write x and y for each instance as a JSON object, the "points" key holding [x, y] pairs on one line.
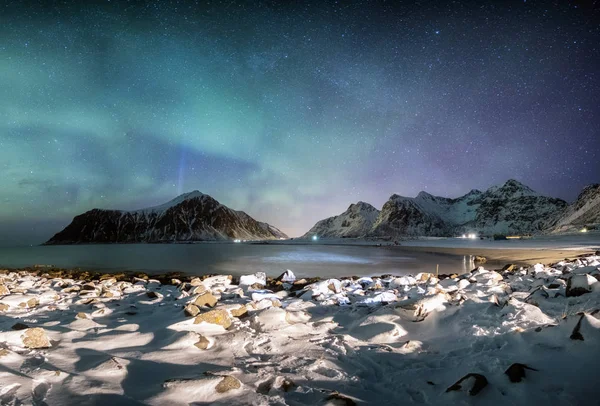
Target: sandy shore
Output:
{"points": [[503, 256]]}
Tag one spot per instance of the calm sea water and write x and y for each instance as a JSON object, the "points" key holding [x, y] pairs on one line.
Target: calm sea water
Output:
{"points": [[236, 259]]}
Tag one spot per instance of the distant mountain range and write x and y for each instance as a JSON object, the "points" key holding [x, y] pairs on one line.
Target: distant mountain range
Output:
{"points": [[511, 208], [190, 217]]}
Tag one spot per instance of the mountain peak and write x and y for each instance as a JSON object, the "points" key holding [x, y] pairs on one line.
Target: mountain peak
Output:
{"points": [[360, 205], [424, 195], [174, 202]]}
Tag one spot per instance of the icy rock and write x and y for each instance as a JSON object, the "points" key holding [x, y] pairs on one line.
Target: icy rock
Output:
{"points": [[206, 299], [473, 382], [334, 285], [488, 278], [258, 278], [403, 281], [35, 338], [286, 277], [463, 283], [383, 297], [219, 317], [228, 383], [258, 296], [578, 285]]}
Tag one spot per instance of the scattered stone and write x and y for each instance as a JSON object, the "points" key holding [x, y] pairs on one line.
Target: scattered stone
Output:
{"points": [[191, 310], [81, 316], [3, 352], [239, 311], [20, 326], [228, 383], [578, 285], [203, 343], [219, 317], [33, 302], [509, 268], [516, 372], [479, 259], [4, 307], [206, 299], [476, 382], [35, 338], [4, 290], [88, 286]]}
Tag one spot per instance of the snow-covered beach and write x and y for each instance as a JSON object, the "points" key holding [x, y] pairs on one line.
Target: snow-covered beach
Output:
{"points": [[223, 340]]}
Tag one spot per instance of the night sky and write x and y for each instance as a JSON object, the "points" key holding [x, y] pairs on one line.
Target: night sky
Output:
{"points": [[289, 112]]}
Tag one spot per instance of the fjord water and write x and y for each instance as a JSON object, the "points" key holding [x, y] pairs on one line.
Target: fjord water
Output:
{"points": [[235, 259]]}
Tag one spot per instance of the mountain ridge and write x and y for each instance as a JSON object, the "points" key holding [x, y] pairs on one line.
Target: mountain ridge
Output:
{"points": [[192, 216], [510, 207]]}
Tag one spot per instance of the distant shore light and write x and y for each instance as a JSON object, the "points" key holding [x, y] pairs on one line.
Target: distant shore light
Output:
{"points": [[315, 238]]}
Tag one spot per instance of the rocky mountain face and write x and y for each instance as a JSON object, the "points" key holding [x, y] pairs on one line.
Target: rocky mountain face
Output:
{"points": [[505, 209], [355, 222], [511, 208], [584, 212], [190, 217]]}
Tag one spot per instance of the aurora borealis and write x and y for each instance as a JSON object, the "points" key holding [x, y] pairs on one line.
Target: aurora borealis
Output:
{"points": [[289, 112]]}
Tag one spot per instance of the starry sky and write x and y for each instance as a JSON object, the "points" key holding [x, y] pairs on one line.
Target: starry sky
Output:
{"points": [[289, 111]]}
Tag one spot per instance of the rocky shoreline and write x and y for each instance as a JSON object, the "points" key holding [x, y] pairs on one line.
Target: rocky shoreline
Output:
{"points": [[73, 336]]}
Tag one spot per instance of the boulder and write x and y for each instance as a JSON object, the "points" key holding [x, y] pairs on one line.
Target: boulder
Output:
{"points": [[473, 382], [191, 310], [4, 307], [228, 383], [578, 285], [35, 338], [206, 299], [4, 290], [479, 259], [20, 326], [81, 316], [219, 317]]}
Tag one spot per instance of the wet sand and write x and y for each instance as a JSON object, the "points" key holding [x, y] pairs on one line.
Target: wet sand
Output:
{"points": [[505, 256]]}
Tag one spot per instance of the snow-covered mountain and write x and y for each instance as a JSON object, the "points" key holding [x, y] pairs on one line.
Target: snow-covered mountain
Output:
{"points": [[192, 216], [357, 221], [505, 209], [585, 211]]}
